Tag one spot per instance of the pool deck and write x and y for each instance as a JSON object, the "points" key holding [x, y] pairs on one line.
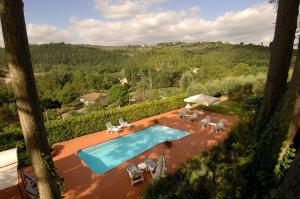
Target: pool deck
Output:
{"points": [[82, 183]]}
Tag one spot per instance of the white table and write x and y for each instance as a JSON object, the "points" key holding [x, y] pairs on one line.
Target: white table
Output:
{"points": [[142, 166], [212, 124]]}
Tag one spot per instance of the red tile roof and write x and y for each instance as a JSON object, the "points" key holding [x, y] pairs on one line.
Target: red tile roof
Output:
{"points": [[93, 96]]}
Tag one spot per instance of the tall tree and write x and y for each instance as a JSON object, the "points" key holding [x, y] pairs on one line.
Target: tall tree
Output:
{"points": [[290, 119], [280, 60], [31, 118], [290, 110], [290, 186], [275, 118]]}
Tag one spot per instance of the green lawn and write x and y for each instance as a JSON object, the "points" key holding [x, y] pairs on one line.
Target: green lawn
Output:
{"points": [[225, 107]]}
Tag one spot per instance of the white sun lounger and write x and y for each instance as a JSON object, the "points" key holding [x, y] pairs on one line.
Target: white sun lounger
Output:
{"points": [[219, 126], [30, 179], [32, 191], [124, 124], [182, 114], [193, 117], [111, 128], [205, 121]]}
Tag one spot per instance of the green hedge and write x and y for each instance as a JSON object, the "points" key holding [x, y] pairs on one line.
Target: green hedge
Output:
{"points": [[75, 126]]}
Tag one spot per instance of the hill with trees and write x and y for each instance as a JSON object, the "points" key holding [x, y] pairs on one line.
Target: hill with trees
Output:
{"points": [[64, 72], [182, 55]]}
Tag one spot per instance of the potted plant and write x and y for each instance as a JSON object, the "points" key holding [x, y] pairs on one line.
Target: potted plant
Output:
{"points": [[155, 121], [53, 152], [168, 144]]}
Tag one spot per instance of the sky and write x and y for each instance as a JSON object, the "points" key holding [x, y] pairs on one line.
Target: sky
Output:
{"points": [[123, 22]]}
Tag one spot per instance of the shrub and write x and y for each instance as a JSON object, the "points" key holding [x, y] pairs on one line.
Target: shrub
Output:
{"points": [[240, 91], [75, 126], [118, 95], [68, 94], [238, 87], [186, 80], [251, 103], [6, 94]]}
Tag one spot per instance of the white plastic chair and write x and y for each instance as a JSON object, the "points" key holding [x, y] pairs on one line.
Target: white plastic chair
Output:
{"points": [[135, 174], [124, 124], [205, 121], [111, 128], [219, 126]]}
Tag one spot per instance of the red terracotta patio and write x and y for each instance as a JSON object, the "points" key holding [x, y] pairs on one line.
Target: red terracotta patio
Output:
{"points": [[81, 182]]}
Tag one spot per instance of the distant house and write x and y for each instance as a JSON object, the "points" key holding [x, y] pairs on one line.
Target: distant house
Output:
{"points": [[124, 81], [131, 98], [92, 98], [195, 70]]}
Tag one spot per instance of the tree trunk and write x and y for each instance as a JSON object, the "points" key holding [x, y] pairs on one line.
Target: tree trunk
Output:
{"points": [[290, 111], [290, 186], [280, 60], [277, 136], [23, 82]]}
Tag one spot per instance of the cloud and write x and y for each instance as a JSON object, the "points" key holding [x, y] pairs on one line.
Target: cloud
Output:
{"points": [[118, 9], [41, 33], [254, 24], [144, 28]]}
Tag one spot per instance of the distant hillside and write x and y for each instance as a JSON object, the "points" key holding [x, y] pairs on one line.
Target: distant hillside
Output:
{"points": [[178, 55], [73, 55], [203, 54]]}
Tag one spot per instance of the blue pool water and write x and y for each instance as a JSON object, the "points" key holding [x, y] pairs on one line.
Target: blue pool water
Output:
{"points": [[105, 156]]}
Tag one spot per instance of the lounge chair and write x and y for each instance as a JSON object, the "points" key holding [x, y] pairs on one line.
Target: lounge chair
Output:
{"points": [[182, 114], [135, 174], [32, 191], [111, 128], [124, 124], [201, 112], [151, 165], [219, 126], [30, 179], [205, 121], [193, 117]]}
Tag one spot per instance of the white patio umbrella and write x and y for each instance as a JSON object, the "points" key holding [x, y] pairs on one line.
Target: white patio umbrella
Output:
{"points": [[161, 169], [201, 99], [8, 168]]}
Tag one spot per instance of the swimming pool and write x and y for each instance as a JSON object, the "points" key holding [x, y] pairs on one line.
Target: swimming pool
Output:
{"points": [[105, 156]]}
